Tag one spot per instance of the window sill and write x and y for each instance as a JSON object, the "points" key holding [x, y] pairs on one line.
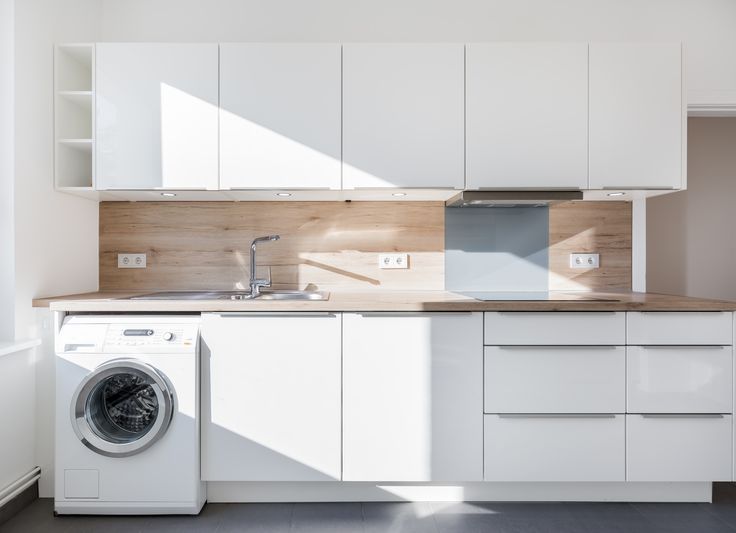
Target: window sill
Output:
{"points": [[11, 347]]}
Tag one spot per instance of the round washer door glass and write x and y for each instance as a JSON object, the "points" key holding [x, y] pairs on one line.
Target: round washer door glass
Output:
{"points": [[122, 408]]}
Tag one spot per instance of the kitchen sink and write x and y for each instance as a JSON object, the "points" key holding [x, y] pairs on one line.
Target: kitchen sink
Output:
{"points": [[275, 294]]}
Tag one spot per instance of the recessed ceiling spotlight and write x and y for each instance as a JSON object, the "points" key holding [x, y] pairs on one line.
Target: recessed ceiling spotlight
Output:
{"points": [[398, 194], [616, 194], [284, 194], [168, 194]]}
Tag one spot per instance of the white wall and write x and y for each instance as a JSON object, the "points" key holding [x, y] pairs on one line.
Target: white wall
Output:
{"points": [[7, 166], [706, 26], [690, 235], [56, 234]]}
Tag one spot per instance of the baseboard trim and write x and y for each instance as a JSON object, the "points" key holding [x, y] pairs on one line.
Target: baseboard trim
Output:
{"points": [[232, 492], [16, 496]]}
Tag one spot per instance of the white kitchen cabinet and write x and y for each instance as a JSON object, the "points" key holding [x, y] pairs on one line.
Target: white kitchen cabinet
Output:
{"points": [[280, 116], [555, 379], [156, 116], [679, 379], [527, 115], [412, 397], [554, 448], [637, 116], [679, 327], [271, 397], [555, 328], [678, 447], [403, 115]]}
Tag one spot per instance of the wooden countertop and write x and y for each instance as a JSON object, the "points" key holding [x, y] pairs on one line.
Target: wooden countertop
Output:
{"points": [[103, 302]]}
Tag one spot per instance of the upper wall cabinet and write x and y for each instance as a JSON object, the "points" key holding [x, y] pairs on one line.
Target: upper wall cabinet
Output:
{"points": [[637, 116], [280, 116], [157, 116], [527, 115], [403, 115]]}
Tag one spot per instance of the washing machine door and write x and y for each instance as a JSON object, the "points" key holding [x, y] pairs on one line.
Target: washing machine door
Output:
{"points": [[122, 408]]}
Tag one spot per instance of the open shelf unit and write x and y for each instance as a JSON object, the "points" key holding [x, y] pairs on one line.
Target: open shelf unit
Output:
{"points": [[74, 117]]}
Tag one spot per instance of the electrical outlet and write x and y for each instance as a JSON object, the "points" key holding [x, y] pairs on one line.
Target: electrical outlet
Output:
{"points": [[585, 260], [131, 260], [393, 260]]}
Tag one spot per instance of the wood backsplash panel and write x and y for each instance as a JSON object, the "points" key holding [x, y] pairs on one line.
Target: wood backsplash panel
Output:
{"points": [[590, 227], [334, 245]]}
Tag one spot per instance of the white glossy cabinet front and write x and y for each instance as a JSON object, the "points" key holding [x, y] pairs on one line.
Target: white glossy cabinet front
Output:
{"points": [[403, 115], [156, 116], [555, 379], [527, 115], [679, 379], [280, 116], [678, 447], [555, 328], [412, 397], [271, 397], [683, 328], [636, 116], [554, 448]]}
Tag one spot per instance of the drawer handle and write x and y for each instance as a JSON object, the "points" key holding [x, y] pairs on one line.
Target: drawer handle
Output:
{"points": [[306, 314], [557, 415], [681, 346], [409, 314], [682, 415]]}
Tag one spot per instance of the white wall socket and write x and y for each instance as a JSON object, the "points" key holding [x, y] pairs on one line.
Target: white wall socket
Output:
{"points": [[131, 260], [393, 260], [585, 260]]}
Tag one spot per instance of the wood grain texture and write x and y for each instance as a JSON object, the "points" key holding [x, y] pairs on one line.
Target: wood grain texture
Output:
{"points": [[333, 245], [590, 227], [104, 302]]}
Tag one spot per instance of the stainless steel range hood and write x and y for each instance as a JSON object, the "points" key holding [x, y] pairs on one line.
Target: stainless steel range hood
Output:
{"points": [[511, 198]]}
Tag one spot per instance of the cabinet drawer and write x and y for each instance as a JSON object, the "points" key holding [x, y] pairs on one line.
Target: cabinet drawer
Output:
{"points": [[679, 379], [560, 328], [554, 448], [679, 328], [678, 448], [554, 379]]}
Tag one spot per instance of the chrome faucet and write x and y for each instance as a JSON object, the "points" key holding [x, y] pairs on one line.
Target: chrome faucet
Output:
{"points": [[257, 284]]}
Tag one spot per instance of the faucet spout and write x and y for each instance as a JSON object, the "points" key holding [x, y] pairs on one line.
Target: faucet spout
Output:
{"points": [[255, 283]]}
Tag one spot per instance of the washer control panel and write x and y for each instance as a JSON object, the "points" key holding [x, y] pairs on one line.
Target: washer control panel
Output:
{"points": [[158, 337]]}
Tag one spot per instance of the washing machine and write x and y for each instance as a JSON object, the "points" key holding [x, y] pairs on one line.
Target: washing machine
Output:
{"points": [[127, 415]]}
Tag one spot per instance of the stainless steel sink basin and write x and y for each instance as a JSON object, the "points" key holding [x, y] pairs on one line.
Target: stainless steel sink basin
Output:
{"points": [[234, 295]]}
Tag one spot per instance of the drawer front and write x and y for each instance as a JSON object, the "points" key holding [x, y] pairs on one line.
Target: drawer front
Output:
{"points": [[680, 328], [554, 448], [555, 379], [678, 448], [679, 379], [555, 328]]}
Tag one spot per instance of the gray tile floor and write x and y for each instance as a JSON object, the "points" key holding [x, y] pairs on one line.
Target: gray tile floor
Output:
{"points": [[407, 517]]}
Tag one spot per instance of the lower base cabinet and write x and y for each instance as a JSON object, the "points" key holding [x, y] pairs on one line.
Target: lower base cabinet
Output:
{"points": [[678, 447], [271, 392], [412, 397], [554, 448]]}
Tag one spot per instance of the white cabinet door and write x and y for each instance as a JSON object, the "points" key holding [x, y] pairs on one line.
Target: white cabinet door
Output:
{"points": [[679, 379], [413, 397], [403, 115], [156, 116], [636, 116], [280, 116], [271, 397], [554, 448], [678, 448], [678, 327], [532, 328], [555, 379], [527, 115]]}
